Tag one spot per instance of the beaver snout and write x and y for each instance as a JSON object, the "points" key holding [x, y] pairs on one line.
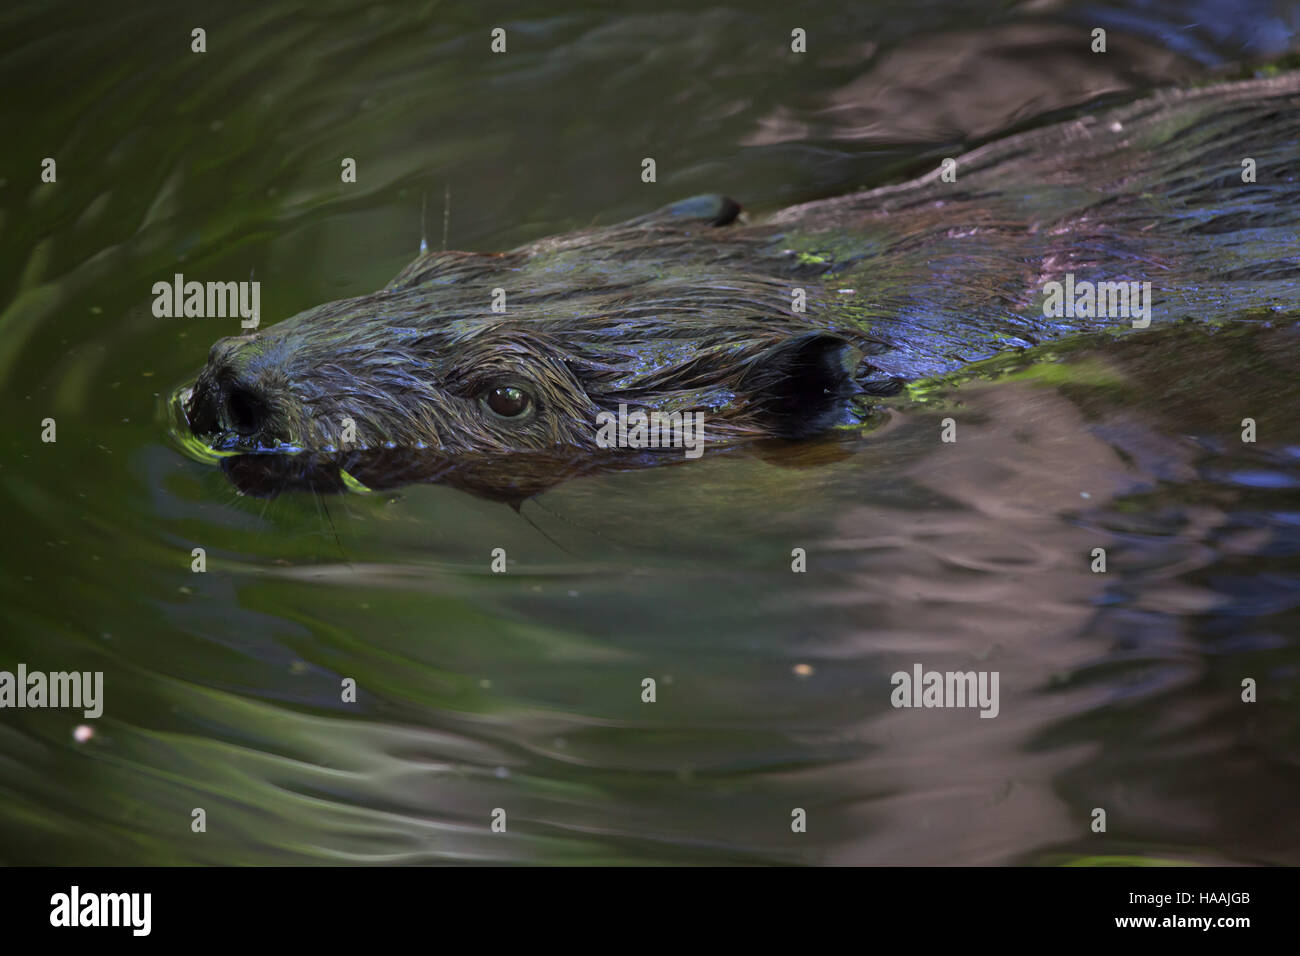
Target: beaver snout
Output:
{"points": [[229, 407], [245, 411], [214, 410]]}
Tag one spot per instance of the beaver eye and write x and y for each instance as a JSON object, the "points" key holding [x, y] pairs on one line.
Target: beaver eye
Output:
{"points": [[508, 401]]}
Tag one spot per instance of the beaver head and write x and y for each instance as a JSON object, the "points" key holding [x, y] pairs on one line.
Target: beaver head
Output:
{"points": [[670, 313]]}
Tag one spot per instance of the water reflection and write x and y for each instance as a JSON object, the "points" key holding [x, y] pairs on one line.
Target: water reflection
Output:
{"points": [[523, 690]]}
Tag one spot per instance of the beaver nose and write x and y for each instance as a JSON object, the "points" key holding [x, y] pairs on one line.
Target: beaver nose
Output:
{"points": [[245, 410], [231, 397]]}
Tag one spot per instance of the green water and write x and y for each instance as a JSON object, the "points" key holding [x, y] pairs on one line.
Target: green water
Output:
{"points": [[523, 691]]}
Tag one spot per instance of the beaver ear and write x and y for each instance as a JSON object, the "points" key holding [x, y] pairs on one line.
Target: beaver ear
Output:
{"points": [[713, 208], [799, 387]]}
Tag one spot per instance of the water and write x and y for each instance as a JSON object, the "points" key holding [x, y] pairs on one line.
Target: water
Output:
{"points": [[522, 691]]}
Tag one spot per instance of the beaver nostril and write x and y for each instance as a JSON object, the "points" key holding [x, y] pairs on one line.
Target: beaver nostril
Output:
{"points": [[245, 411]]}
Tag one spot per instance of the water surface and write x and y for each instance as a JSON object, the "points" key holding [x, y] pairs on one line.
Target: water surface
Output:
{"points": [[522, 690]]}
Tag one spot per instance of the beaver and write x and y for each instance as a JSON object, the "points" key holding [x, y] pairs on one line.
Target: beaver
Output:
{"points": [[787, 328]]}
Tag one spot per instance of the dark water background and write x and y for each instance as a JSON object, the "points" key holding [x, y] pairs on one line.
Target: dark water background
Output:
{"points": [[523, 691]]}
